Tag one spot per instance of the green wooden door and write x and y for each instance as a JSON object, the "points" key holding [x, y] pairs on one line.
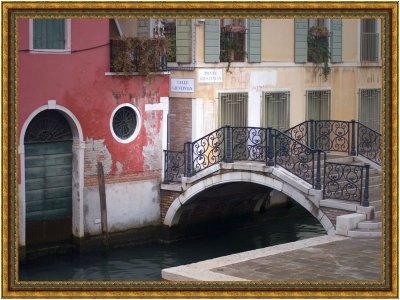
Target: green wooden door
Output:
{"points": [[48, 180]]}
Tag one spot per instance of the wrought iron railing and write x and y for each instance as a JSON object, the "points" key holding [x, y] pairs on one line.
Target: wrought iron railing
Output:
{"points": [[205, 152], [350, 137], [369, 144], [142, 55], [174, 165], [347, 182], [300, 150], [295, 157]]}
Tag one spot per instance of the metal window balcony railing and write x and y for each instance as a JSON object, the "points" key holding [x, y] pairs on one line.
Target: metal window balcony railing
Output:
{"points": [[142, 55]]}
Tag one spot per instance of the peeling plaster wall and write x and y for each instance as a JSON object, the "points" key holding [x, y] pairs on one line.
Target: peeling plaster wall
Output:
{"points": [[95, 151], [86, 87], [129, 205]]}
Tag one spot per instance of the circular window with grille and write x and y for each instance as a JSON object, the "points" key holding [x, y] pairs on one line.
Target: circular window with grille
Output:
{"points": [[125, 123]]}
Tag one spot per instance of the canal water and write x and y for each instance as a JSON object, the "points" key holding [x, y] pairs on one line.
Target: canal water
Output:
{"points": [[145, 262]]}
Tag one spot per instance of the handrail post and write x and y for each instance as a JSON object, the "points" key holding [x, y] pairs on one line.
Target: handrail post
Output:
{"points": [[188, 159], [165, 179], [270, 148], [312, 134], [353, 138], [318, 177], [365, 201], [228, 157]]}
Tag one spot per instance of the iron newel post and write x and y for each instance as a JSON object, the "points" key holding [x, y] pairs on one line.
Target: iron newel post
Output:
{"points": [[353, 138], [228, 144], [365, 201], [270, 148], [188, 159], [318, 177]]}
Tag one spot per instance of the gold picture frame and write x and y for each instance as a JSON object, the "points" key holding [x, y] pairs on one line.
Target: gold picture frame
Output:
{"points": [[13, 288]]}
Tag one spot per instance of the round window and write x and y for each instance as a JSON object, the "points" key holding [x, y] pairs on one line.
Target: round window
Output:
{"points": [[125, 123]]}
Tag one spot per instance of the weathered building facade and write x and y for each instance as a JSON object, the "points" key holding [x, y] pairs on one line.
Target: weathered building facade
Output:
{"points": [[74, 113]]}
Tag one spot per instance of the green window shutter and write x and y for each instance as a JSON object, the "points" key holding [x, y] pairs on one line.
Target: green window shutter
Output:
{"points": [[184, 41], [336, 41], [49, 34], [300, 40], [211, 40], [254, 41], [143, 29]]}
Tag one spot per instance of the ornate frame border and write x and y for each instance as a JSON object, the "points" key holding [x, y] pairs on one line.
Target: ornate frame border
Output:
{"points": [[12, 287]]}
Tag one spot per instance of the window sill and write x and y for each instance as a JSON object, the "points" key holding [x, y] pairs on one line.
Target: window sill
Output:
{"points": [[134, 73], [50, 51]]}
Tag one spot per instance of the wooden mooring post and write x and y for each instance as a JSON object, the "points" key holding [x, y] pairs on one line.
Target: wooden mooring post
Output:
{"points": [[103, 204]]}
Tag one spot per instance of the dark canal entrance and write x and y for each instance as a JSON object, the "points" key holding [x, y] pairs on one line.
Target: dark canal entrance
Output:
{"points": [[146, 262]]}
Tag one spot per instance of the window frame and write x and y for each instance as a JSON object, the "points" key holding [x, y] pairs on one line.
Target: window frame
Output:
{"points": [[246, 107], [137, 128], [378, 43], [379, 90], [67, 36], [264, 115], [329, 103]]}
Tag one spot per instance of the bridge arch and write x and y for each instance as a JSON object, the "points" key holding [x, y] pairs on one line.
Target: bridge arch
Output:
{"points": [[176, 208]]}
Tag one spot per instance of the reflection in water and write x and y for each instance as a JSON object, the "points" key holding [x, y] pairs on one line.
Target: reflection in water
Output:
{"points": [[146, 262]]}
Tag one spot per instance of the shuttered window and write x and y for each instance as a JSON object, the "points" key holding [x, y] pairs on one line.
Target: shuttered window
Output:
{"points": [[184, 41], [233, 110], [225, 40], [301, 32], [48, 34], [336, 41], [254, 41], [318, 105], [276, 110], [211, 40], [369, 40], [143, 28], [369, 112]]}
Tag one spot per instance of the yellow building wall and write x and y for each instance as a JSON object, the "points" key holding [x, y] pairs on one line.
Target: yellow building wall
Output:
{"points": [[277, 40], [351, 40]]}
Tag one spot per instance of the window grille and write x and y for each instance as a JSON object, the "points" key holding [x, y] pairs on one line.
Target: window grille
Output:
{"points": [[318, 105], [276, 110], [369, 112], [369, 40], [124, 122], [233, 110]]}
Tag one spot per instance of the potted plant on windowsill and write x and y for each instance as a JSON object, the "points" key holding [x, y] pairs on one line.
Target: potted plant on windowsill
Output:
{"points": [[318, 48], [136, 54]]}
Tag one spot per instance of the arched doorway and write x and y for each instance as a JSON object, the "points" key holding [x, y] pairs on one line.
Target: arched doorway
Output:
{"points": [[48, 178]]}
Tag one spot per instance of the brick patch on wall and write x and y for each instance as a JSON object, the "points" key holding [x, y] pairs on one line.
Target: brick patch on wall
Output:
{"points": [[332, 213], [109, 179], [167, 197], [180, 122]]}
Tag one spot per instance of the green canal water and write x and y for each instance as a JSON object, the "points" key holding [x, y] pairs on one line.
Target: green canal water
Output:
{"points": [[145, 262]]}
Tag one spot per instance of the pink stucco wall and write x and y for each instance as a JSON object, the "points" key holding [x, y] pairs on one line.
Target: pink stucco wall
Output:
{"points": [[78, 82]]}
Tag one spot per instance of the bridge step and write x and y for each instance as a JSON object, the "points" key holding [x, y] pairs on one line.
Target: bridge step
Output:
{"points": [[365, 233], [374, 224]]}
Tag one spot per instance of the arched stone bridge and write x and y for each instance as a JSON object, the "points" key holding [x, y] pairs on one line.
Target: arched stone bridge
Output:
{"points": [[263, 162]]}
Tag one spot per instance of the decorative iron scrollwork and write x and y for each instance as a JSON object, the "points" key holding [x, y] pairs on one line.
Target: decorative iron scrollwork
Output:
{"points": [[208, 150], [343, 181], [369, 144], [48, 126], [294, 157], [174, 165], [332, 135], [249, 143]]}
